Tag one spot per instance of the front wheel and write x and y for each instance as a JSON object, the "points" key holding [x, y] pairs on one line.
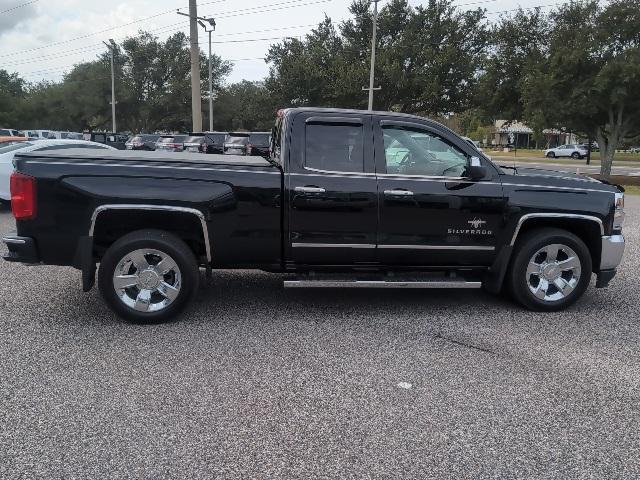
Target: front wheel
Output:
{"points": [[551, 155], [148, 276], [550, 271], [576, 155]]}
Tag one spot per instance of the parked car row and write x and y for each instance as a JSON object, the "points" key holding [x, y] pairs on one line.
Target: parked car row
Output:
{"points": [[9, 149], [231, 143]]}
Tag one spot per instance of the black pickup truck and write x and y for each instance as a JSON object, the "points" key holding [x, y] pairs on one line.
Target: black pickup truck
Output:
{"points": [[345, 199]]}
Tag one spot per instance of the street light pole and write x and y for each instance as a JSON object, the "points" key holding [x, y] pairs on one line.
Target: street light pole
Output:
{"points": [[111, 46], [212, 23], [373, 54]]}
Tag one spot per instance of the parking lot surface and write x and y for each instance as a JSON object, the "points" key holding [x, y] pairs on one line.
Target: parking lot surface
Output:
{"points": [[255, 381]]}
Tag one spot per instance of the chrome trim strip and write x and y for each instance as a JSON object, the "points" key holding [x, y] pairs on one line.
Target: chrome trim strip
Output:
{"points": [[133, 206], [309, 189], [332, 245], [335, 172], [399, 193], [424, 177], [439, 247], [528, 216], [378, 284], [13, 241], [176, 167]]}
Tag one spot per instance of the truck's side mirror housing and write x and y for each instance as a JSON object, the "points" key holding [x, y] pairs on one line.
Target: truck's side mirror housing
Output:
{"points": [[476, 170]]}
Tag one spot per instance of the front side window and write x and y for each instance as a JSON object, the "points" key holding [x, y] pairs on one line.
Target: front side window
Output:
{"points": [[418, 152], [334, 147]]}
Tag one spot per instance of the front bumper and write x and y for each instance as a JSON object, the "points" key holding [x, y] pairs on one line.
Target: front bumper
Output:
{"points": [[612, 251], [610, 258], [21, 249]]}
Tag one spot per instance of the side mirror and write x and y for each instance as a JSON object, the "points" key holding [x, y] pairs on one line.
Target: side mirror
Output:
{"points": [[476, 170]]}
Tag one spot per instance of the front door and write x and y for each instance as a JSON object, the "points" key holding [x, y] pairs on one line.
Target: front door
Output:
{"points": [[332, 190], [431, 213]]}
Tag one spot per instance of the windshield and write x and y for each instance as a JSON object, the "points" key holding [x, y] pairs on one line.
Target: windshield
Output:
{"points": [[259, 138], [165, 140], [180, 138], [236, 140], [216, 138], [5, 148], [193, 140]]}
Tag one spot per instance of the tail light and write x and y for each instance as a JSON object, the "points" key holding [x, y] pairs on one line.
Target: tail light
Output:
{"points": [[249, 148], [23, 196]]}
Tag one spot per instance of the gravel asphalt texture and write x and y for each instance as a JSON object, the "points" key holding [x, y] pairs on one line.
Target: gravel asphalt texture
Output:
{"points": [[255, 381]]}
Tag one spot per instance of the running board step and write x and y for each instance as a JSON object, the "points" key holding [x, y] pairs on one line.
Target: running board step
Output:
{"points": [[396, 283]]}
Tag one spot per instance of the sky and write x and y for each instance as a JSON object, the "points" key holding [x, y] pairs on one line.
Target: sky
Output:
{"points": [[41, 39]]}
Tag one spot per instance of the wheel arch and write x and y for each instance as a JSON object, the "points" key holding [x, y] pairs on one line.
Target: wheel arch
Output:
{"points": [[588, 228], [189, 224]]}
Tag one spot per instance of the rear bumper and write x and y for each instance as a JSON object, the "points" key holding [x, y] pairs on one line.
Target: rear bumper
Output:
{"points": [[612, 251], [21, 249]]}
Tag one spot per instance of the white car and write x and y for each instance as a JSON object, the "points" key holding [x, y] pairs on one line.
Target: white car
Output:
{"points": [[9, 132], [7, 153], [474, 143], [37, 134], [574, 151]]}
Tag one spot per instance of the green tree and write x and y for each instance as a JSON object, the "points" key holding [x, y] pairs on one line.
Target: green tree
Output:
{"points": [[518, 47], [590, 79], [12, 92], [244, 106], [427, 59]]}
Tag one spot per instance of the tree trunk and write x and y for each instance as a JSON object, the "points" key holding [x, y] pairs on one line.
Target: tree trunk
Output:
{"points": [[608, 139]]}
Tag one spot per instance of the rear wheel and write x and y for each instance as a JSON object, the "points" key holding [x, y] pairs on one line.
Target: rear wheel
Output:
{"points": [[148, 276], [551, 155], [550, 271]]}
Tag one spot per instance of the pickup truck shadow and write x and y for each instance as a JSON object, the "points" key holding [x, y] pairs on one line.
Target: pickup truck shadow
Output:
{"points": [[236, 290]]}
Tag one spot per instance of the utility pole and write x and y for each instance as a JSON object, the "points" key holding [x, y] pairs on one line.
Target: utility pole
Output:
{"points": [[212, 23], [112, 46], [373, 54], [196, 107]]}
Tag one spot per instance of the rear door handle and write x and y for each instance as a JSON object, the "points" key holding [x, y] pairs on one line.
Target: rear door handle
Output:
{"points": [[309, 189], [398, 193]]}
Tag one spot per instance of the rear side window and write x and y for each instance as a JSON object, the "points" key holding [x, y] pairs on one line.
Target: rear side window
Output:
{"points": [[4, 148], [334, 147]]}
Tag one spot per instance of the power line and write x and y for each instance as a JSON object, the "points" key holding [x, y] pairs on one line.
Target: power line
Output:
{"points": [[231, 13], [99, 48], [18, 6]]}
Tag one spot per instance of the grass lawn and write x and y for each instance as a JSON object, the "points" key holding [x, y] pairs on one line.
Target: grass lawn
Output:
{"points": [[632, 189], [539, 154]]}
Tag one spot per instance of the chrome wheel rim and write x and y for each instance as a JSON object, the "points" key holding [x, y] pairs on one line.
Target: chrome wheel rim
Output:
{"points": [[553, 272], [147, 280]]}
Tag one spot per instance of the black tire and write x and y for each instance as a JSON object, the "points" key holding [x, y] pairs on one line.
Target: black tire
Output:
{"points": [[161, 241], [576, 155], [526, 248], [551, 155]]}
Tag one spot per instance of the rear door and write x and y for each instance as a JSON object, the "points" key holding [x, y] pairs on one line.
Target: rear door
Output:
{"points": [[332, 189]]}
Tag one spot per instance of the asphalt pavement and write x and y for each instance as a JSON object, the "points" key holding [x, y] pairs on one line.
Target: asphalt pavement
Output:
{"points": [[255, 381]]}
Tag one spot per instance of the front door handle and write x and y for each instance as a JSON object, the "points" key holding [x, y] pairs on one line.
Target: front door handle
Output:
{"points": [[309, 189], [398, 193]]}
